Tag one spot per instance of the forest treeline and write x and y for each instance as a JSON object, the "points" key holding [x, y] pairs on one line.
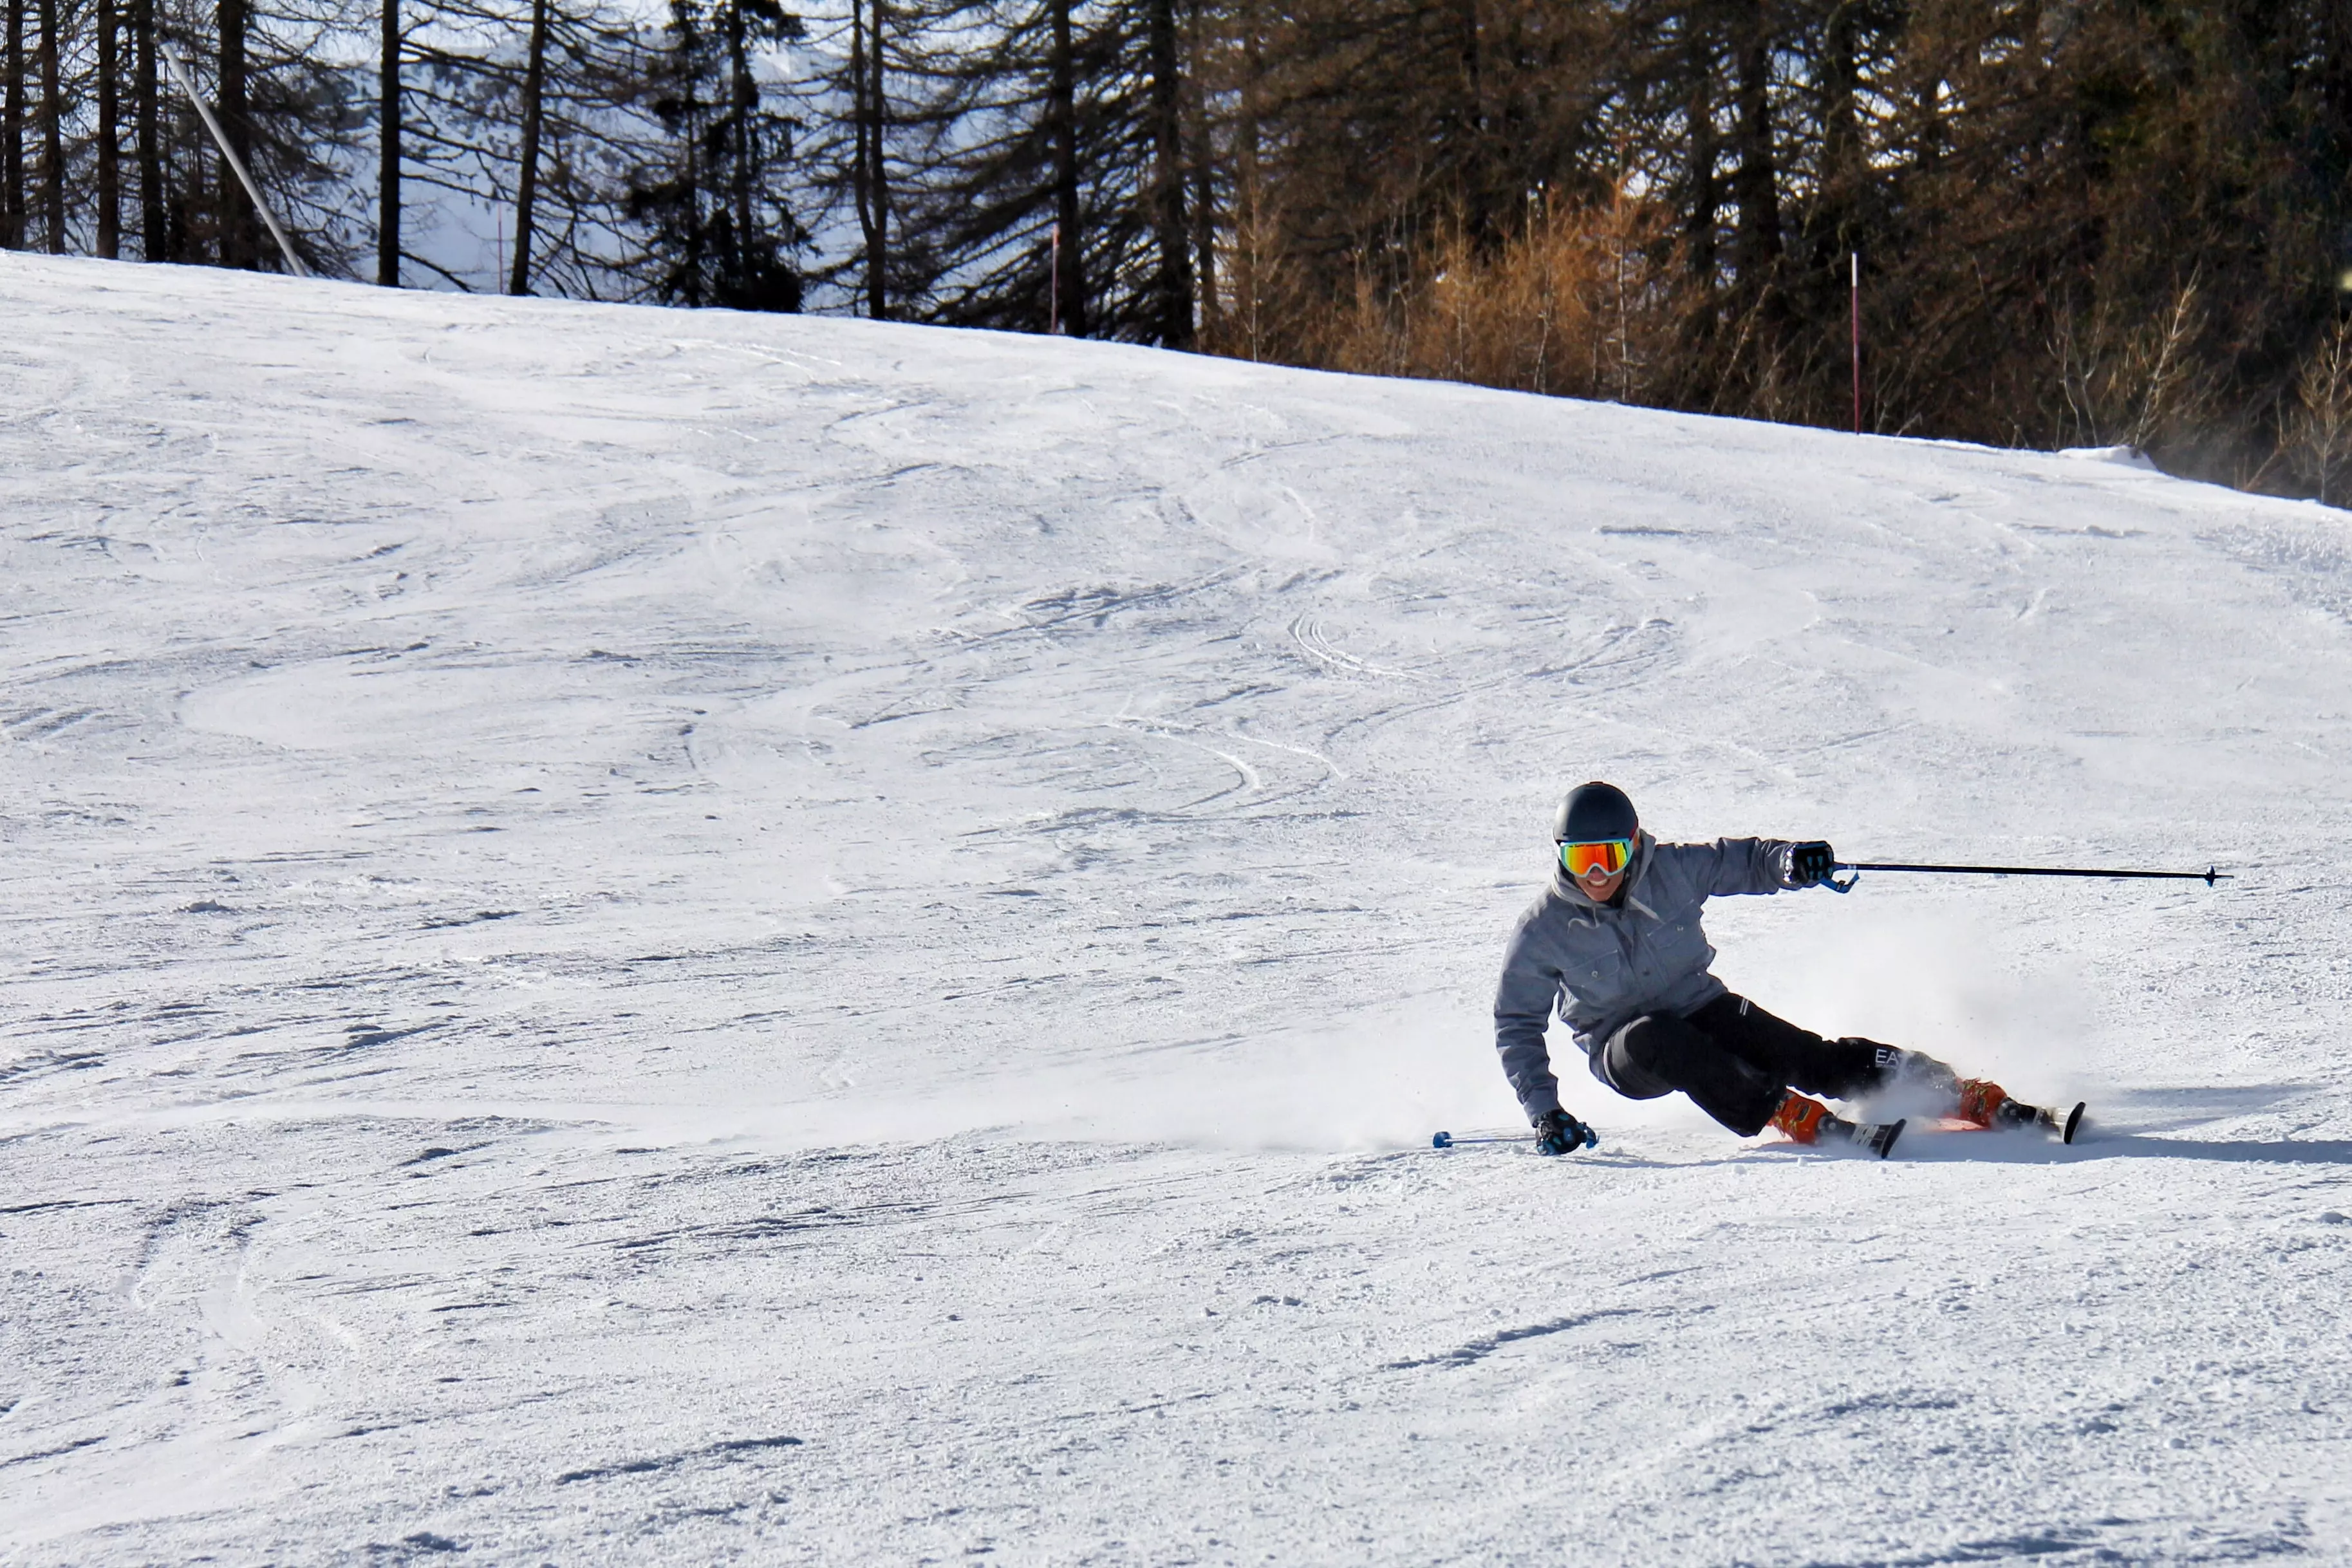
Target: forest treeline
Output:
{"points": [[2073, 222]]}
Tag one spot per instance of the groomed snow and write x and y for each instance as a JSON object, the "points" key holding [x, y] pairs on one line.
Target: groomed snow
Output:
{"points": [[636, 936]]}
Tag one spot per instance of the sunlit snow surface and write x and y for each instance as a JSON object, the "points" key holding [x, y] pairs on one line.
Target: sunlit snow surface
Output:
{"points": [[639, 936]]}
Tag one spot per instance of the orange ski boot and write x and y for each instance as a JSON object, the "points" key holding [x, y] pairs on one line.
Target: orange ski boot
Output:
{"points": [[1984, 1104], [1801, 1120], [1982, 1101], [1809, 1121]]}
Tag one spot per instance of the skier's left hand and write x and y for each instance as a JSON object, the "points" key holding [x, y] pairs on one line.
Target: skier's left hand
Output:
{"points": [[1809, 864]]}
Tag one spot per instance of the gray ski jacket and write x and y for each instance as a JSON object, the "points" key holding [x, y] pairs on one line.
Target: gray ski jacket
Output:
{"points": [[1604, 965]]}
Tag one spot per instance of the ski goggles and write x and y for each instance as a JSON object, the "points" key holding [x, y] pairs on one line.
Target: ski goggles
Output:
{"points": [[1608, 856]]}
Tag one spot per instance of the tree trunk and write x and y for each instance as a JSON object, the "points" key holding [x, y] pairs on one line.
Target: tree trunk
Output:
{"points": [[535, 97], [1841, 123], [861, 172], [1248, 209], [1474, 112], [109, 157], [1756, 184], [1062, 95], [153, 243], [1470, 121], [1929, 152], [1204, 184], [877, 111], [387, 150], [238, 246], [11, 135], [742, 96], [53, 140], [1703, 207], [1834, 223], [690, 130], [2333, 71], [1174, 306]]}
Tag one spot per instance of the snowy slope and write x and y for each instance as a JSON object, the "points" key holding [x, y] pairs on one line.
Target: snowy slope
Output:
{"points": [[636, 936]]}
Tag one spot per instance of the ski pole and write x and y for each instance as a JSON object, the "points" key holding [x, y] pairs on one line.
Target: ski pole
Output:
{"points": [[1447, 1140], [2208, 876], [1590, 1140]]}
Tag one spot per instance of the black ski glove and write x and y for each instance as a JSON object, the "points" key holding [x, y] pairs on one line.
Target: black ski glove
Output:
{"points": [[1810, 865], [1558, 1132]]}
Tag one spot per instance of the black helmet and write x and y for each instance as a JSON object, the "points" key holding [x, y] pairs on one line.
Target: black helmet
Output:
{"points": [[1594, 812]]}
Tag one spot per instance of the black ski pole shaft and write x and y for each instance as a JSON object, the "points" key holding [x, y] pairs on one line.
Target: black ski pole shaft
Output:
{"points": [[2209, 875]]}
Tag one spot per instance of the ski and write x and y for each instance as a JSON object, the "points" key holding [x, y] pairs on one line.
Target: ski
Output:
{"points": [[2014, 1114], [1878, 1137]]}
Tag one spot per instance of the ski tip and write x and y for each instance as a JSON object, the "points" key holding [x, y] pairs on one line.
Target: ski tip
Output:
{"points": [[1443, 1141], [1884, 1142], [2074, 1122]]}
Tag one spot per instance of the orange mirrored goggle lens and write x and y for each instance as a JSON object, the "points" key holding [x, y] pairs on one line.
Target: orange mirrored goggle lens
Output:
{"points": [[1608, 856]]}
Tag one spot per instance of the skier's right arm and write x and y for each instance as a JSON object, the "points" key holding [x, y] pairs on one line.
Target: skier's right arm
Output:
{"points": [[1523, 1005]]}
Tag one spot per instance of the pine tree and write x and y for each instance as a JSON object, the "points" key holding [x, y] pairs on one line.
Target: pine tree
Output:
{"points": [[716, 230]]}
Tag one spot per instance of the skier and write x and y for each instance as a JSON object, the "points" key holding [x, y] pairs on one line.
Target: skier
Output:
{"points": [[1615, 943]]}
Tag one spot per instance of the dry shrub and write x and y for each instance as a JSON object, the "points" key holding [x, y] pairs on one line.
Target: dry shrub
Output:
{"points": [[1570, 306], [2133, 382], [2320, 432], [1256, 314]]}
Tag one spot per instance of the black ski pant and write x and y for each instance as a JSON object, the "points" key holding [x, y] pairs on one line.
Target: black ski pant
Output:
{"points": [[1735, 1060]]}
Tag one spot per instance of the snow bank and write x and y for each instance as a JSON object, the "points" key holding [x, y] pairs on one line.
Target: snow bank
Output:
{"points": [[661, 937]]}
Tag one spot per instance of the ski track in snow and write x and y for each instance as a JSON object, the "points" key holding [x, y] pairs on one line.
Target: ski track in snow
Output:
{"points": [[643, 938]]}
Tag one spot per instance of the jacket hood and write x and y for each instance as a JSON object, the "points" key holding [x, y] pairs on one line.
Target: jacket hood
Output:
{"points": [[1564, 887]]}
